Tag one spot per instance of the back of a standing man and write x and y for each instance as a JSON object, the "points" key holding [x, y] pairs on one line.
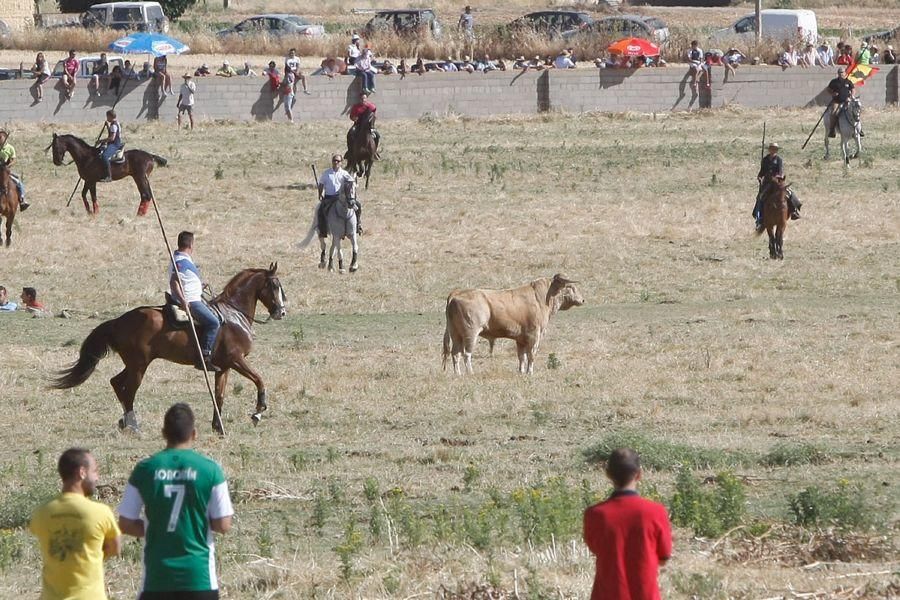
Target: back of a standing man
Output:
{"points": [[629, 535], [75, 533], [184, 497]]}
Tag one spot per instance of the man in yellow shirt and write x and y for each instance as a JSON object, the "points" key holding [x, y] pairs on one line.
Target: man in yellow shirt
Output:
{"points": [[75, 533]]}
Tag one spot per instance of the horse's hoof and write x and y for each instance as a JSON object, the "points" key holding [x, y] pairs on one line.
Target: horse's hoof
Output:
{"points": [[322, 265], [256, 418], [217, 427], [142, 208], [354, 268]]}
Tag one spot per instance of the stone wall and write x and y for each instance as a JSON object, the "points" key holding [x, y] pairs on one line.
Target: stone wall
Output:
{"points": [[644, 90], [18, 14]]}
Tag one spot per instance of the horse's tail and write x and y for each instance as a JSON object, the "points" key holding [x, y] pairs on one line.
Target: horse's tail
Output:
{"points": [[93, 349], [159, 160], [312, 229]]}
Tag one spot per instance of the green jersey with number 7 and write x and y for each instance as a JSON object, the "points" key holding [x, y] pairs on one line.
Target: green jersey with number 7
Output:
{"points": [[179, 490]]}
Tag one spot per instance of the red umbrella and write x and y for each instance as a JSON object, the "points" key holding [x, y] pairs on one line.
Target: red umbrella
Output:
{"points": [[634, 47]]}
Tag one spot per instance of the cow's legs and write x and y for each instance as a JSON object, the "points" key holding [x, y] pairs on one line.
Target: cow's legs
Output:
{"points": [[523, 357], [468, 349], [456, 355]]}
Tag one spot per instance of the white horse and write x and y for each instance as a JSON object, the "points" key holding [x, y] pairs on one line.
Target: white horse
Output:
{"points": [[340, 222], [849, 127]]}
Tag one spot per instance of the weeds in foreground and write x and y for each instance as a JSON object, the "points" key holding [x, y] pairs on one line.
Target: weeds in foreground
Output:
{"points": [[16, 508], [663, 455], [845, 506], [710, 513], [10, 549]]}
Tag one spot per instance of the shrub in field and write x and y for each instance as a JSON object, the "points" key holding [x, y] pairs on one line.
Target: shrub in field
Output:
{"points": [[348, 549], [784, 455], [845, 506], [708, 512], [10, 549], [661, 454], [16, 508], [548, 511]]}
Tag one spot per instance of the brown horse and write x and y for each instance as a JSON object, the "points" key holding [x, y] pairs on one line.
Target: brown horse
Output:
{"points": [[138, 164], [9, 200], [144, 334], [363, 150], [775, 214]]}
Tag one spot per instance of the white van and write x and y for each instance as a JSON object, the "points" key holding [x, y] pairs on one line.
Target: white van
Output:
{"points": [[127, 16], [777, 24]]}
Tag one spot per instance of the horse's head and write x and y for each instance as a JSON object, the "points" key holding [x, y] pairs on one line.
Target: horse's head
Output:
{"points": [[854, 108], [348, 189], [58, 148], [272, 295]]}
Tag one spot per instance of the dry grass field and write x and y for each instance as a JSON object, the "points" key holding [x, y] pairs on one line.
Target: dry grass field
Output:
{"points": [[377, 475]]}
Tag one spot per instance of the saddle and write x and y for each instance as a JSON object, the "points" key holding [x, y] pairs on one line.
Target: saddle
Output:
{"points": [[118, 157], [178, 319]]}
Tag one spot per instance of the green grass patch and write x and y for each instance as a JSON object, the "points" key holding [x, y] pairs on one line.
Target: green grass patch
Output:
{"points": [[662, 455]]}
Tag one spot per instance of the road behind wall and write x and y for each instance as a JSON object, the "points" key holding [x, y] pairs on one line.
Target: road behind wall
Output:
{"points": [[496, 93]]}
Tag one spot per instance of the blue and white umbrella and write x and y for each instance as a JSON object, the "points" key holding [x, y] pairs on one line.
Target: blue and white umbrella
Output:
{"points": [[148, 43]]}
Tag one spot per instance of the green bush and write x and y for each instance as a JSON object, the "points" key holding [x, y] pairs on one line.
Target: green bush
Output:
{"points": [[16, 508], [785, 455], [710, 513], [845, 506], [661, 454], [10, 549]]}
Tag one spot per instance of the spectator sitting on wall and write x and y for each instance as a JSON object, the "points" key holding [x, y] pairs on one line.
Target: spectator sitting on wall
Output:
{"points": [[161, 73], [486, 64], [865, 56], [520, 63], [501, 64], [388, 68], [99, 71], [787, 58], [128, 72], [695, 61], [732, 60], [115, 80], [807, 58], [564, 60], [42, 74], [419, 67], [226, 70], [203, 71], [467, 65], [274, 77], [247, 71], [402, 69], [449, 66], [824, 55], [353, 50], [145, 73], [333, 66], [876, 58], [846, 56], [889, 58], [70, 74]]}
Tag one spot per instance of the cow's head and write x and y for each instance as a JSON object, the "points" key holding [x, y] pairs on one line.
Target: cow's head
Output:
{"points": [[563, 293]]}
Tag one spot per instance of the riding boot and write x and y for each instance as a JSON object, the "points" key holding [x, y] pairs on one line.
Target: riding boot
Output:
{"points": [[206, 364], [757, 213], [108, 177], [794, 204]]}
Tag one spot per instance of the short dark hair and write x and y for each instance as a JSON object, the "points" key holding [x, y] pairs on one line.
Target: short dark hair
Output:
{"points": [[70, 461], [185, 240], [30, 292], [623, 466], [178, 424], [111, 113], [2, 289]]}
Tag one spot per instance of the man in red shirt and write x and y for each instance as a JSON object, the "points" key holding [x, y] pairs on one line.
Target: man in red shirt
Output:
{"points": [[70, 74], [630, 536], [356, 112]]}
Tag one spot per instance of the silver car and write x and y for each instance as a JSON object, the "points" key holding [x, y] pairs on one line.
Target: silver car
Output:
{"points": [[275, 24]]}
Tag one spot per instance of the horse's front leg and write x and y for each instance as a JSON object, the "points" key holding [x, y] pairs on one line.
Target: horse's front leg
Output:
{"points": [[772, 253], [340, 253], [93, 189], [84, 197], [221, 381], [779, 242], [322, 255], [354, 245], [331, 253], [143, 186], [240, 365]]}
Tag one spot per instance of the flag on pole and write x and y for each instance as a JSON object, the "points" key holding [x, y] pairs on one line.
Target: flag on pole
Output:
{"points": [[858, 74]]}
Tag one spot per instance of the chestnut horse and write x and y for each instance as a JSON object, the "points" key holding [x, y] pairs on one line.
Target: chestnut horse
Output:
{"points": [[775, 214], [362, 151], [9, 200], [144, 334], [138, 165]]}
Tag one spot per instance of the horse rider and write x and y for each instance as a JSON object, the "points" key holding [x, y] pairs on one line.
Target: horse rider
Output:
{"points": [[113, 142], [355, 112], [330, 183], [186, 288], [772, 166], [8, 156], [841, 89]]}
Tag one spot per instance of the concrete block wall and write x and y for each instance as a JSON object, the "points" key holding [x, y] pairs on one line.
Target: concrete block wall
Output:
{"points": [[579, 90]]}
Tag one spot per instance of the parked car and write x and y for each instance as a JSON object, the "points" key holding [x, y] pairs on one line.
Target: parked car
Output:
{"points": [[86, 65], [127, 16], [880, 36], [777, 24], [275, 24], [619, 26], [552, 23], [416, 21]]}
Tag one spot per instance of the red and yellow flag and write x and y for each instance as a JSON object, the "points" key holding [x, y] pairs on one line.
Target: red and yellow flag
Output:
{"points": [[858, 74]]}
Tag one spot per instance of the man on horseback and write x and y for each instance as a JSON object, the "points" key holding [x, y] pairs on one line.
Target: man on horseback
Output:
{"points": [[8, 156], [330, 184], [772, 167], [186, 288], [355, 112], [841, 89], [113, 143]]}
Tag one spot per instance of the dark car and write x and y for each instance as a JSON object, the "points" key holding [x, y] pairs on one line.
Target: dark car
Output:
{"points": [[552, 23], [417, 21], [885, 36], [619, 26], [275, 24]]}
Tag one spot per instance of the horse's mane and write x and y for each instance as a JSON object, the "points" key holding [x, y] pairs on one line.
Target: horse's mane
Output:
{"points": [[237, 281], [75, 139]]}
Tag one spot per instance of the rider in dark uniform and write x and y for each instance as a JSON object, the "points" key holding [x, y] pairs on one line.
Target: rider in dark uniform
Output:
{"points": [[841, 89], [773, 166]]}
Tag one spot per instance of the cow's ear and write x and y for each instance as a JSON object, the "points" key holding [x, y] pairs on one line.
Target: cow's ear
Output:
{"points": [[273, 267]]}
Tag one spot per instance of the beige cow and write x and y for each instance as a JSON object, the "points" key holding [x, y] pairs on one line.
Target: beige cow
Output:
{"points": [[520, 314]]}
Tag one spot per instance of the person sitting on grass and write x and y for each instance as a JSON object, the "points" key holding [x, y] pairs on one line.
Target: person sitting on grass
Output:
{"points": [[5, 304], [630, 536], [30, 301]]}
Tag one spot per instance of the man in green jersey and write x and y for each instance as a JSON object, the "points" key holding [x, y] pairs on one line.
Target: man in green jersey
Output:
{"points": [[184, 497]]}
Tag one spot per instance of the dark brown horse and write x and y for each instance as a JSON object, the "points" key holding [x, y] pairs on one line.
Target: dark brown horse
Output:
{"points": [[9, 200], [138, 165], [143, 334], [363, 150], [775, 214]]}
